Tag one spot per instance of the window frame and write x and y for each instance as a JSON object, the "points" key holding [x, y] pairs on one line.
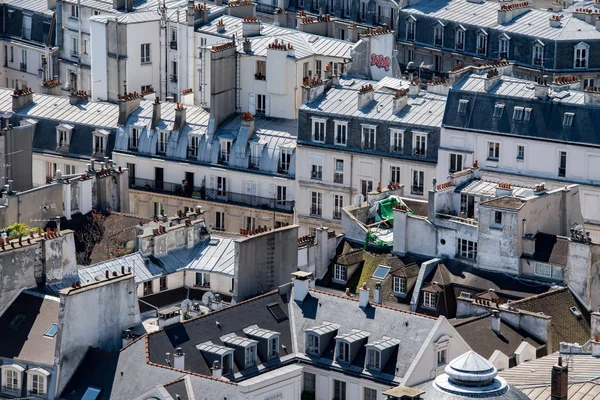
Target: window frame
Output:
{"points": [[145, 53], [411, 28], [340, 131], [466, 249], [134, 137], [581, 48], [399, 285], [520, 154], [420, 182], [395, 174], [498, 218], [438, 34], [562, 167], [537, 53], [316, 203], [459, 33], [493, 151], [418, 139], [313, 348], [368, 132], [338, 205], [482, 43], [397, 140], [322, 123], [340, 273], [456, 164], [429, 300], [372, 352]]}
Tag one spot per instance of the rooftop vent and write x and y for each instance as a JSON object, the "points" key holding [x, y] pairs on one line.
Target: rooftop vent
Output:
{"points": [[214, 242], [576, 312]]}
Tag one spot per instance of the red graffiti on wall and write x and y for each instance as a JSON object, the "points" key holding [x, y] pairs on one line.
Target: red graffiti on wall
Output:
{"points": [[380, 61]]}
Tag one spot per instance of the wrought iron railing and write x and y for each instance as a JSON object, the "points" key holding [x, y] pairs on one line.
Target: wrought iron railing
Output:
{"points": [[337, 215], [218, 195], [338, 177], [254, 162], [23, 66]]}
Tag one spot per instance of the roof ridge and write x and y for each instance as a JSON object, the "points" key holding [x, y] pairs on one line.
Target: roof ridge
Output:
{"points": [[538, 296], [468, 320], [174, 382], [374, 304], [130, 344]]}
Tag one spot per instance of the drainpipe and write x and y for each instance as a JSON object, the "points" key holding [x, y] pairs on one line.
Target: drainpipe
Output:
{"points": [[179, 67], [149, 305], [79, 45], [351, 173]]}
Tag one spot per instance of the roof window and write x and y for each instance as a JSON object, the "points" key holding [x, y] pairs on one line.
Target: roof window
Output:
{"points": [[462, 106], [51, 332], [381, 272], [17, 321], [498, 110], [526, 114], [568, 119], [518, 113]]}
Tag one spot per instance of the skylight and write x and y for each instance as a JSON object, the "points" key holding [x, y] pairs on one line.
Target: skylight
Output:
{"points": [[568, 119], [51, 332], [381, 272], [17, 321], [91, 394], [462, 106]]}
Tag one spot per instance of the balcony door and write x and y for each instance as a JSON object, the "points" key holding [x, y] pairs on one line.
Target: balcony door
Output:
{"points": [[159, 178]]}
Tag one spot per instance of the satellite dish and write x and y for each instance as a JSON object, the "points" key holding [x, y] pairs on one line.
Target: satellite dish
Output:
{"points": [[358, 200], [579, 228], [208, 298], [185, 306]]}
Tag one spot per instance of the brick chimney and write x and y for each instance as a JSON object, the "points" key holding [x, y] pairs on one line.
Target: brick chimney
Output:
{"points": [[280, 17], [247, 45], [180, 111], [250, 27], [241, 8], [201, 12], [21, 97], [78, 96], [400, 100], [155, 112], [127, 104], [366, 94], [560, 381], [491, 80]]}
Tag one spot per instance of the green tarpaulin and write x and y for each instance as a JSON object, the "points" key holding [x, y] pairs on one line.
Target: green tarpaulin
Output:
{"points": [[386, 209]]}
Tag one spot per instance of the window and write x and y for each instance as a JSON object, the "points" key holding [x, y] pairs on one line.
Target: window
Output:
{"points": [[419, 145], [70, 169], [12, 54], [145, 53], [518, 113], [366, 187], [370, 394], [63, 139], [503, 44], [562, 163], [589, 82], [74, 11], [538, 54], [498, 218], [438, 35], [399, 285], [410, 28], [99, 144], [520, 152], [37, 384], [417, 185], [91, 394], [318, 130], [261, 104], [368, 137], [163, 138], [51, 168], [542, 269], [338, 204], [255, 153], [52, 330], [462, 106], [466, 249], [410, 55], [17, 321], [202, 279], [85, 47], [134, 138], [467, 205], [273, 348], [482, 43], [493, 150], [282, 195], [225, 152], [526, 114], [581, 56], [341, 133], [227, 364], [250, 356], [373, 359], [394, 174], [261, 70], [95, 12], [74, 46], [285, 159], [441, 357], [459, 40], [310, 383], [12, 380], [318, 69], [568, 119], [26, 28], [428, 300], [339, 273], [381, 272], [498, 110], [316, 172], [456, 162], [163, 283], [396, 140], [316, 204], [312, 347], [338, 174], [194, 146], [250, 223], [339, 390], [221, 186], [148, 288], [219, 221], [174, 70], [23, 65]]}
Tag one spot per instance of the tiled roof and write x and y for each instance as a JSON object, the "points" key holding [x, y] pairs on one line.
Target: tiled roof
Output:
{"points": [[565, 326], [551, 249], [507, 202], [350, 255]]}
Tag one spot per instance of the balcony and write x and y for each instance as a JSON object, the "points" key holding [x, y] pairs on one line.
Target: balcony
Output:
{"points": [[416, 189], [337, 215], [217, 195], [173, 45], [254, 162], [173, 78], [260, 77], [338, 177], [23, 67], [75, 54]]}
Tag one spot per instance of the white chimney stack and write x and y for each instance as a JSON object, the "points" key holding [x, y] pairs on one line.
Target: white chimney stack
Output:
{"points": [[217, 372], [179, 359], [496, 322], [363, 293], [301, 281], [377, 293]]}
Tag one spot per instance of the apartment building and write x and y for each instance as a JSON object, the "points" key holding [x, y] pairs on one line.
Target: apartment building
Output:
{"points": [[362, 136], [554, 41], [28, 44], [525, 134]]}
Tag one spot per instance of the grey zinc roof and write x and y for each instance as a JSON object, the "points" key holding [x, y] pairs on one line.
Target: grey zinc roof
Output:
{"points": [[384, 343], [212, 348], [237, 341], [30, 5], [305, 45], [532, 23], [255, 331], [353, 336], [488, 189], [427, 110]]}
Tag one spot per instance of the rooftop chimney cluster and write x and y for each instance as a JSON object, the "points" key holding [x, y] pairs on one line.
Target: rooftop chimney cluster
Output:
{"points": [[401, 93], [51, 83], [586, 11], [147, 91], [201, 6], [239, 3], [224, 46], [502, 185], [255, 231], [445, 185], [306, 239], [247, 116], [159, 231], [539, 188], [22, 92], [251, 19], [380, 30], [514, 6], [400, 207], [130, 96], [187, 91], [493, 73], [313, 20], [366, 89], [277, 45], [565, 80]]}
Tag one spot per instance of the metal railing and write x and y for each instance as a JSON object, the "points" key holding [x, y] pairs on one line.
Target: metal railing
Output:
{"points": [[396, 149], [316, 211], [417, 189], [23, 66], [173, 78], [337, 215], [254, 162], [218, 195], [74, 54], [318, 175], [410, 36], [421, 153], [338, 177], [368, 145], [438, 41], [173, 44]]}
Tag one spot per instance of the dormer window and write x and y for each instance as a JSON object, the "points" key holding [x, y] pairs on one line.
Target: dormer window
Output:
{"points": [[399, 285], [268, 341], [250, 356], [100, 139], [482, 37], [37, 381], [498, 110], [568, 119], [518, 113], [462, 106], [318, 130], [312, 344], [503, 46], [273, 347], [341, 132], [161, 145], [581, 55], [255, 152], [538, 53], [411, 24], [134, 138], [63, 137], [343, 352], [459, 40], [379, 352], [349, 344], [374, 359], [419, 144], [526, 114], [438, 34], [225, 154], [193, 146], [12, 378], [214, 352], [285, 159], [368, 137]]}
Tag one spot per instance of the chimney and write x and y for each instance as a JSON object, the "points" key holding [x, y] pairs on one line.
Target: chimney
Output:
{"points": [[179, 117], [51, 4], [241, 8], [541, 90], [21, 97], [127, 104], [179, 359], [247, 45], [496, 322], [127, 337], [118, 4], [248, 122], [400, 100], [414, 89], [220, 26], [217, 372], [557, 6], [508, 12], [155, 112], [491, 80], [250, 27], [560, 381], [555, 21], [280, 18], [190, 13], [366, 94], [78, 96], [363, 296], [301, 281], [129, 5], [377, 293], [201, 13]]}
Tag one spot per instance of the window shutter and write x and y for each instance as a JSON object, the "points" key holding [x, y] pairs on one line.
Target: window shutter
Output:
{"points": [[267, 106], [271, 189]]}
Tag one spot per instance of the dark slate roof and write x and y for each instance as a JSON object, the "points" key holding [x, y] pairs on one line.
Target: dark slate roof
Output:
{"points": [[565, 326], [478, 333], [508, 202], [177, 388], [551, 249], [546, 122], [230, 320], [27, 342]]}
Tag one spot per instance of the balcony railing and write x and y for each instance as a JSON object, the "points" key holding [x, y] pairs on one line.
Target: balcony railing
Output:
{"points": [[580, 63], [316, 211], [368, 145], [23, 66], [396, 149], [417, 189], [260, 77], [421, 153], [173, 45], [481, 51], [438, 41], [318, 175], [202, 193], [74, 54], [254, 162], [410, 36], [337, 215], [338, 177], [459, 46]]}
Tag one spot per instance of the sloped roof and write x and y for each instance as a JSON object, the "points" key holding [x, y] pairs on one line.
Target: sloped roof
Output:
{"points": [[506, 202], [349, 255], [551, 249]]}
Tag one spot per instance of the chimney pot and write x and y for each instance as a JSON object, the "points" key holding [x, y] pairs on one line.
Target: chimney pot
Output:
{"points": [[560, 381]]}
